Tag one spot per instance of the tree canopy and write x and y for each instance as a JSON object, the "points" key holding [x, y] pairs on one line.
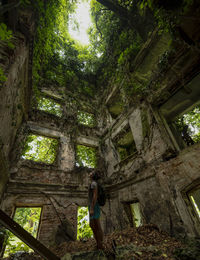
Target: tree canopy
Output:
{"points": [[119, 30], [63, 62]]}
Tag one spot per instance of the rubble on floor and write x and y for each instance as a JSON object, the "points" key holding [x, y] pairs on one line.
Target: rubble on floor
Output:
{"points": [[143, 243], [23, 256]]}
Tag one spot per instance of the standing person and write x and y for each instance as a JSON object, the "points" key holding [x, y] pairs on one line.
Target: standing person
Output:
{"points": [[94, 209]]}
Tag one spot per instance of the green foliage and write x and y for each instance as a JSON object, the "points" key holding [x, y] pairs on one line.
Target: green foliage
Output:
{"points": [[50, 35], [123, 153], [50, 106], [58, 59], [85, 156], [164, 60], [61, 61], [131, 45], [116, 106], [83, 227], [40, 149], [189, 124], [164, 17], [126, 4], [28, 218], [125, 144], [169, 5], [3, 78], [6, 35], [118, 44], [85, 118], [167, 12]]}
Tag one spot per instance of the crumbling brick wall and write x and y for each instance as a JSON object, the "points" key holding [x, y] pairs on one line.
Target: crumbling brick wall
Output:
{"points": [[55, 210], [13, 95]]}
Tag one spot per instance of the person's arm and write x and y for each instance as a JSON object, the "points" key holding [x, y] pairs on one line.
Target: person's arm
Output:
{"points": [[94, 200]]}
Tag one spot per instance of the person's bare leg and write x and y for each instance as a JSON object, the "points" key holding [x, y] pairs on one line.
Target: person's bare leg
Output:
{"points": [[93, 227], [99, 234]]}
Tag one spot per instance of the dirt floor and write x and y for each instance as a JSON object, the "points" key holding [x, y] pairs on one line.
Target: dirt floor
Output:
{"points": [[149, 243], [143, 243]]}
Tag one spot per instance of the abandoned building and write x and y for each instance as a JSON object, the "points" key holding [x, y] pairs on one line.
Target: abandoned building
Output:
{"points": [[124, 118]]}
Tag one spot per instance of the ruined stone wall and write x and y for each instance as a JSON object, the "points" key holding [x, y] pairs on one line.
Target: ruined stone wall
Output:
{"points": [[158, 174], [13, 95], [161, 190], [57, 208], [154, 176], [151, 143], [59, 188], [64, 170]]}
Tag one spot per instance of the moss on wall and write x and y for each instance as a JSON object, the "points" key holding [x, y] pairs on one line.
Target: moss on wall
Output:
{"points": [[151, 59]]}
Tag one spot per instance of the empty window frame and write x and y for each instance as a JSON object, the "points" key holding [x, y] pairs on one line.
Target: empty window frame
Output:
{"points": [[133, 213], [50, 106], [115, 105], [194, 197], [85, 118], [86, 156], [188, 125], [181, 114], [125, 143], [136, 214], [29, 219], [40, 149], [83, 226]]}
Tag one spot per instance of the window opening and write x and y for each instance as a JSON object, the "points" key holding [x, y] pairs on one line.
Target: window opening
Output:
{"points": [[136, 214], [194, 197], [189, 126], [125, 144], [85, 118], [40, 149], [50, 106], [29, 219], [86, 156], [83, 227], [115, 106]]}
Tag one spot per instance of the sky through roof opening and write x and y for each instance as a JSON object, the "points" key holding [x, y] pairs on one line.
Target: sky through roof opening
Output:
{"points": [[79, 22]]}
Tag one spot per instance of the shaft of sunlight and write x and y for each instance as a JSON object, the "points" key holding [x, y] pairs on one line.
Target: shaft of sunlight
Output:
{"points": [[82, 17]]}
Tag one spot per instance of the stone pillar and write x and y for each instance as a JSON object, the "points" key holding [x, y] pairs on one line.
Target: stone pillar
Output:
{"points": [[67, 154]]}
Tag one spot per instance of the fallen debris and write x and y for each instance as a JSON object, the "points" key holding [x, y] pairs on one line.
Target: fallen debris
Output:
{"points": [[145, 242], [23, 256]]}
